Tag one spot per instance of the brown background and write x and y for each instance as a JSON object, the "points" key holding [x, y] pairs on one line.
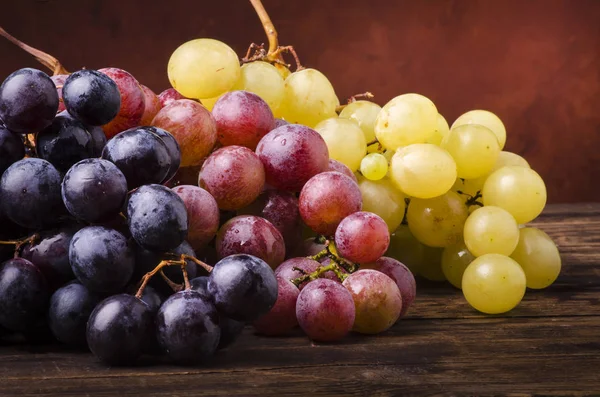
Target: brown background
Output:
{"points": [[536, 63]]}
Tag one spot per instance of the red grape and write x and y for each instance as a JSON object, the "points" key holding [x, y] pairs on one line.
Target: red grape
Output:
{"points": [[252, 235], [326, 199], [309, 247], [377, 300], [234, 175], [335, 165], [325, 310], [152, 105], [362, 237], [169, 95], [279, 122], [286, 269], [203, 214], [243, 118], [132, 102], [193, 127], [59, 81], [292, 154], [403, 277], [282, 317]]}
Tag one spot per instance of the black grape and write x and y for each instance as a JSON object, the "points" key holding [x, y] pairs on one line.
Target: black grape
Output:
{"points": [[119, 329], [101, 259], [243, 287], [98, 136], [30, 193], [70, 308], [28, 101], [172, 147], [157, 218], [91, 97], [152, 298], [188, 328], [94, 190], [11, 149]]}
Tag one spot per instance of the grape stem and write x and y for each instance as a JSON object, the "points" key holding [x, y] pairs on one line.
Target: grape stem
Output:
{"points": [[269, 28], [354, 98], [157, 269], [198, 262], [45, 59], [21, 242], [472, 200], [317, 273], [173, 285], [337, 264]]}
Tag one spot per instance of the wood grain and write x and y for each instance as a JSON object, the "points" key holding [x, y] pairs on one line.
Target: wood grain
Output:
{"points": [[548, 345]]}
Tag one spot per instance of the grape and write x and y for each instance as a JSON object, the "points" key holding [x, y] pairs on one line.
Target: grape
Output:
{"points": [[243, 287], [291, 155], [132, 102], [152, 105], [203, 214], [101, 259], [70, 309], [537, 254], [474, 148], [193, 127], [288, 269], [335, 165], [439, 221], [468, 187], [23, 295], [209, 103], [486, 119], [64, 143], [405, 248], [28, 101], [509, 158], [401, 275], [283, 70], [30, 193], [455, 260], [377, 301], [141, 155], [50, 254], [96, 133], [168, 96], [365, 114], [423, 170], [384, 199], [491, 230], [91, 97], [157, 218], [264, 80], [11, 149], [252, 235], [146, 261], [374, 166], [119, 328], [325, 310], [151, 298], [282, 317], [431, 268], [441, 131], [172, 148], [519, 190], [94, 190], [493, 284], [362, 237], [345, 141], [405, 120], [243, 118], [279, 122], [326, 199], [309, 247], [234, 176], [59, 82]]}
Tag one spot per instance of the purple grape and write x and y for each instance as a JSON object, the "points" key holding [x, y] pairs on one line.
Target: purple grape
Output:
{"points": [[286, 269], [326, 199], [291, 155], [97, 133], [325, 310], [119, 329], [151, 298], [252, 235], [172, 148], [203, 214], [336, 166], [282, 317], [11, 149], [309, 247], [233, 175], [279, 122], [362, 237]]}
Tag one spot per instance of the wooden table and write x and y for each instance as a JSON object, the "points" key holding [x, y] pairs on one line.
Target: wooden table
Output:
{"points": [[549, 345]]}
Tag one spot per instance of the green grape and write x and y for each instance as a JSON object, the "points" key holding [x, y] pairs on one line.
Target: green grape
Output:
{"points": [[438, 221], [308, 99], [388, 154], [486, 119], [407, 249], [519, 190], [345, 141], [374, 166], [538, 256], [491, 230], [364, 113], [455, 260], [406, 119], [467, 187], [384, 199], [509, 158], [431, 269], [264, 80], [441, 131], [423, 170], [203, 68], [474, 148], [493, 284], [209, 103]]}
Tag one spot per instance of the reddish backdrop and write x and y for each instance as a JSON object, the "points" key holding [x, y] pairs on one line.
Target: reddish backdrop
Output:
{"points": [[536, 63]]}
